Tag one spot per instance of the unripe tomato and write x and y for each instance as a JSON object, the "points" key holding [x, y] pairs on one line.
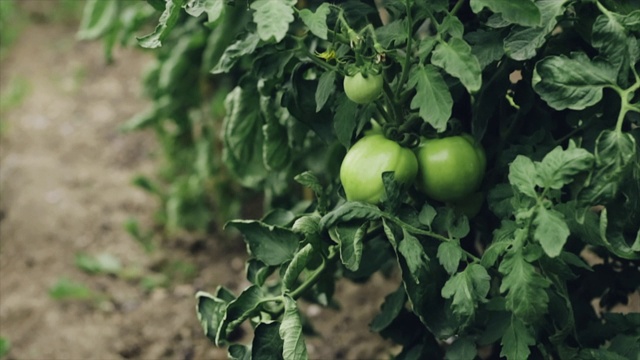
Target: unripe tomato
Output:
{"points": [[450, 168], [362, 167], [361, 89]]}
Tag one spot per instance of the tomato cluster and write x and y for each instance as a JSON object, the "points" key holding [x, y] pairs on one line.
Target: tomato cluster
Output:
{"points": [[448, 169]]}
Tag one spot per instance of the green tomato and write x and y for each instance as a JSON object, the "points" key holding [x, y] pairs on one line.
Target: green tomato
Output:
{"points": [[363, 90], [362, 167], [450, 168]]}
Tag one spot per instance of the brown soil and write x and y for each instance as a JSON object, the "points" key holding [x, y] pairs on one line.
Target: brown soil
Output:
{"points": [[65, 177]]}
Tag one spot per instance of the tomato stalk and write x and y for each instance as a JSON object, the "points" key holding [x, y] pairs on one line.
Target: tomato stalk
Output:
{"points": [[404, 76], [311, 280]]}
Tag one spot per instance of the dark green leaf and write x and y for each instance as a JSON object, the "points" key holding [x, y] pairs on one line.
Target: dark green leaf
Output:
{"points": [[296, 266], [326, 87], [517, 340], [239, 352], [464, 348], [211, 311], [294, 347], [316, 22], [273, 18], [242, 308], [345, 120], [551, 231], [456, 59], [521, 12], [167, 21], [349, 236], [276, 153], [393, 304], [349, 211], [609, 36], [432, 96], [414, 255], [270, 244], [267, 343], [573, 82], [467, 289], [235, 51], [486, 46], [559, 166]]}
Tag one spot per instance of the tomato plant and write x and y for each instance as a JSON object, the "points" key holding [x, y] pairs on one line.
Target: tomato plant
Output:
{"points": [[361, 89], [451, 168], [362, 168], [549, 88]]}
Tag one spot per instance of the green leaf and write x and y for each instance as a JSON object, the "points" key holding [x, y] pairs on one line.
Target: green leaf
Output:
{"points": [[521, 12], [522, 43], [326, 87], [213, 8], [551, 231], [294, 347], [5, 346], [65, 289], [449, 254], [235, 51], [559, 166], [316, 22], [427, 214], [467, 289], [522, 174], [243, 137], [273, 18], [456, 59], [104, 263], [452, 26], [295, 268], [239, 352], [391, 307], [414, 255], [267, 343], [574, 82], [211, 311], [240, 309], [344, 120], [517, 340], [98, 17], [526, 295], [270, 244], [349, 236], [464, 348], [276, 154], [486, 46], [394, 33], [432, 96], [349, 211], [167, 21], [502, 238], [609, 36]]}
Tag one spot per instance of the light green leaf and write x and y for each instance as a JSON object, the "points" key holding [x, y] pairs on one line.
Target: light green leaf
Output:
{"points": [[609, 36], [456, 59], [394, 32], [449, 255], [574, 82], [559, 166], [427, 214], [349, 238], [270, 244], [213, 8], [452, 26], [432, 96], [521, 12], [296, 266], [551, 231], [523, 42], [273, 18], [517, 340], [316, 22], [102, 263], [414, 255], [467, 289], [98, 17], [167, 21], [294, 347], [522, 174]]}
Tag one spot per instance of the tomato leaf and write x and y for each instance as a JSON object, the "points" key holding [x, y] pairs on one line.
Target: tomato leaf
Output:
{"points": [[432, 96], [349, 237], [291, 332], [240, 309], [522, 43], [559, 166], [612, 39], [239, 352], [464, 348], [392, 34], [391, 307], [316, 22], [522, 174], [276, 154], [456, 59], [486, 46], [295, 267], [522, 12], [574, 82], [167, 21], [273, 18], [414, 255], [349, 211], [551, 231], [235, 51], [267, 343], [213, 8], [326, 87], [516, 340], [467, 289], [270, 244], [211, 311], [449, 255], [98, 17]]}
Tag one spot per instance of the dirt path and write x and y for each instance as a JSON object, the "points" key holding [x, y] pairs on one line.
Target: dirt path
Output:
{"points": [[65, 188]]}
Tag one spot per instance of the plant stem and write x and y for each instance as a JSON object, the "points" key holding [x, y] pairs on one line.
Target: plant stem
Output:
{"points": [[311, 280], [407, 61], [456, 7]]}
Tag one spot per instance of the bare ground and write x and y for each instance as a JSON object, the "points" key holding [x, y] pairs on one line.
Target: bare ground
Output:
{"points": [[65, 188]]}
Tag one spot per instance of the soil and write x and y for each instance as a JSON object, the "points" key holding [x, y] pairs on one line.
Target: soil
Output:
{"points": [[65, 189]]}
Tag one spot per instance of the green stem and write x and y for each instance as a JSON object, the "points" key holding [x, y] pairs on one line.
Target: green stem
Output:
{"points": [[456, 7], [407, 61], [311, 280]]}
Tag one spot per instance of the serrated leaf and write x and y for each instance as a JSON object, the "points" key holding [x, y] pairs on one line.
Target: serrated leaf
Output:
{"points": [[525, 288], [467, 289], [427, 214], [273, 18], [551, 231], [270, 244], [294, 347], [521, 12], [574, 82], [414, 255], [502, 239], [316, 22], [559, 166], [452, 26], [350, 238], [167, 21], [522, 43], [97, 18], [517, 340], [394, 33], [213, 8], [326, 87], [432, 97], [449, 254], [456, 59], [235, 51], [391, 307], [522, 174], [295, 267], [486, 46]]}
